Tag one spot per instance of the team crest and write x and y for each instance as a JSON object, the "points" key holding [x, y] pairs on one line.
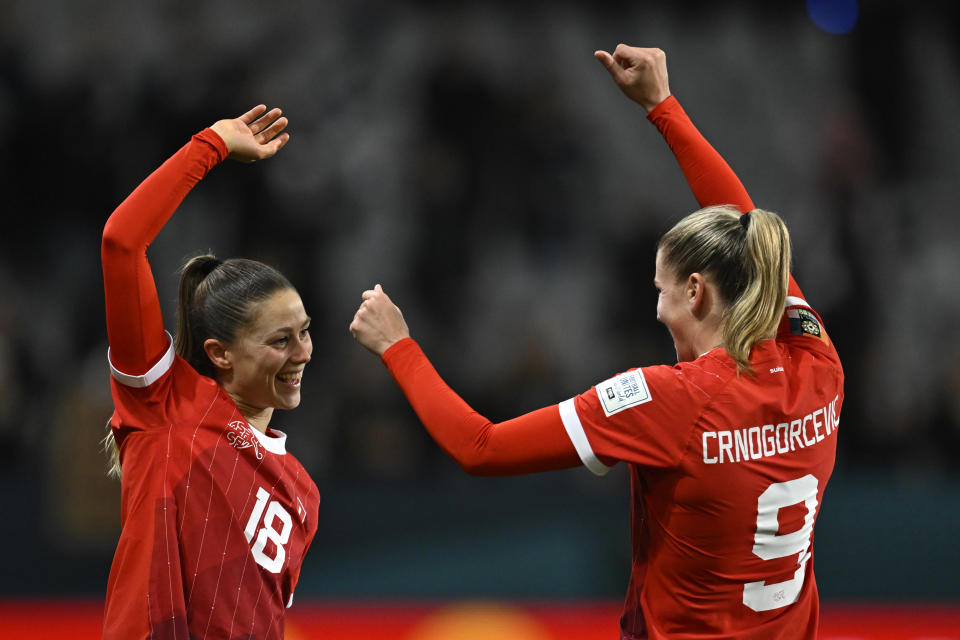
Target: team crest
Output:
{"points": [[623, 391], [240, 436]]}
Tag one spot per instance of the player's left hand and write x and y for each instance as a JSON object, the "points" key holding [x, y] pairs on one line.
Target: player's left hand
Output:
{"points": [[256, 135], [641, 73], [378, 323]]}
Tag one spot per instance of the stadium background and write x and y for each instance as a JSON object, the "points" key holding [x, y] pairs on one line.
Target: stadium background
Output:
{"points": [[476, 160]]}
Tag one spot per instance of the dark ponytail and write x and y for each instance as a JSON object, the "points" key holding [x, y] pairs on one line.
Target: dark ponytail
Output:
{"points": [[194, 272]]}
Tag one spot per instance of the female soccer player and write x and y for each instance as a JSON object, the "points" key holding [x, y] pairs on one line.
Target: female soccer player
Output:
{"points": [[216, 515], [729, 450]]}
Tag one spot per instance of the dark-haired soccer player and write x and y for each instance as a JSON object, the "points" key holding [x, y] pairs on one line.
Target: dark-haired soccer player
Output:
{"points": [[216, 514]]}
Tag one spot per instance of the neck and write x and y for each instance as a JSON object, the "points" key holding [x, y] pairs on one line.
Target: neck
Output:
{"points": [[258, 417], [708, 342], [704, 340]]}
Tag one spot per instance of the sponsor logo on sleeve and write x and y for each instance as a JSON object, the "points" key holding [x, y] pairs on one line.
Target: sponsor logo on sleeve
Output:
{"points": [[623, 391]]}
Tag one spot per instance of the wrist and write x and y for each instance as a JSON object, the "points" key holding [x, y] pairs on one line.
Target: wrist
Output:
{"points": [[653, 102], [214, 140], [220, 128], [395, 347]]}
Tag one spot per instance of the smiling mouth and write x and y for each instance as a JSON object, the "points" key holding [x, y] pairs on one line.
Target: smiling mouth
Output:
{"points": [[292, 379]]}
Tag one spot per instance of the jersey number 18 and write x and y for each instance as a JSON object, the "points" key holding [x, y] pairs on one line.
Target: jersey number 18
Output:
{"points": [[268, 532]]}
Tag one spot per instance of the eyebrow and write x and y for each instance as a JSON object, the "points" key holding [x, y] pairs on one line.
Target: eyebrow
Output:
{"points": [[284, 330]]}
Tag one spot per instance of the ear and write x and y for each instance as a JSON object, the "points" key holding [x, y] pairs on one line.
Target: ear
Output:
{"points": [[696, 293], [218, 354]]}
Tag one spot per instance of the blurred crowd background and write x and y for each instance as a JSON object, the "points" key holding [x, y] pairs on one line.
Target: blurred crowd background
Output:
{"points": [[477, 161]]}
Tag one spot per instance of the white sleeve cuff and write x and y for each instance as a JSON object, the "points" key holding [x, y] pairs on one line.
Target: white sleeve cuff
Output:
{"points": [[571, 422], [148, 378]]}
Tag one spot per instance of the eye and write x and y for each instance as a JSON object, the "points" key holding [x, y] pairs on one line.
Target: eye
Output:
{"points": [[280, 342], [304, 333]]}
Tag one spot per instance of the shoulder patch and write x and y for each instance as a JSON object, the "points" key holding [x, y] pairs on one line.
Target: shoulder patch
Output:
{"points": [[623, 391], [803, 321]]}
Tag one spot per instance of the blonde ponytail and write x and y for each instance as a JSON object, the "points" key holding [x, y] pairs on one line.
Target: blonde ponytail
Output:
{"points": [[749, 259], [755, 314], [112, 451]]}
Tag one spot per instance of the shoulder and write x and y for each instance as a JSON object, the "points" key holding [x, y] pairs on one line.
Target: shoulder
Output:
{"points": [[171, 389], [690, 383], [644, 415], [802, 330]]}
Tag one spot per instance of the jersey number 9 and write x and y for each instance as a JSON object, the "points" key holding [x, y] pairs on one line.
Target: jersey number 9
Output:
{"points": [[769, 545]]}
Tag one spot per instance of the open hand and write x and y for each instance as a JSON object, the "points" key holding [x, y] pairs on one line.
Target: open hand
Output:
{"points": [[256, 135], [378, 323], [640, 73]]}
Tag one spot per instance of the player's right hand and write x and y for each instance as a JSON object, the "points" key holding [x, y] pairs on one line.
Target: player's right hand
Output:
{"points": [[378, 323], [639, 72], [256, 135]]}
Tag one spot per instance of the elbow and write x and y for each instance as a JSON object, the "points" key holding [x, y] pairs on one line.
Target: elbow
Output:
{"points": [[475, 466], [113, 242], [479, 458], [475, 454]]}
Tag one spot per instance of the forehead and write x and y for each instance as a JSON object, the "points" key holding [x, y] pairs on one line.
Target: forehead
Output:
{"points": [[283, 309], [660, 270]]}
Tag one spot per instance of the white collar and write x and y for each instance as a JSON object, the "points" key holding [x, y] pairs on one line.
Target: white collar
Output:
{"points": [[274, 444]]}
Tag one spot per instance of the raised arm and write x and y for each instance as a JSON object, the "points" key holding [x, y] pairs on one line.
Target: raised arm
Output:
{"points": [[536, 441], [134, 320], [642, 76]]}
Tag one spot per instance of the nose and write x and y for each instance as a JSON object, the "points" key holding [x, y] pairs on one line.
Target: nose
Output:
{"points": [[303, 351]]}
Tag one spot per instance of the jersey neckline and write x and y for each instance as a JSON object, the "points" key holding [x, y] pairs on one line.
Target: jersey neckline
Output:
{"points": [[274, 444]]}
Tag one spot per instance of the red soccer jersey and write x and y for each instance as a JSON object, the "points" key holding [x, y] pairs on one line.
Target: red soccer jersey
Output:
{"points": [[216, 517], [727, 474]]}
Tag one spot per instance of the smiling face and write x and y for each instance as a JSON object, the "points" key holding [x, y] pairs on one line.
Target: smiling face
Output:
{"points": [[265, 362]]}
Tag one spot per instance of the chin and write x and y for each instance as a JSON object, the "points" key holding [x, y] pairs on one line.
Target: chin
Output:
{"points": [[288, 403]]}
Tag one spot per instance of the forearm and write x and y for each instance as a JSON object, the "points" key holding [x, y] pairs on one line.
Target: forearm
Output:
{"points": [[134, 320], [711, 179], [534, 442]]}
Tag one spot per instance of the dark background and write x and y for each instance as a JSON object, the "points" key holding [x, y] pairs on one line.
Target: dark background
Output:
{"points": [[477, 161]]}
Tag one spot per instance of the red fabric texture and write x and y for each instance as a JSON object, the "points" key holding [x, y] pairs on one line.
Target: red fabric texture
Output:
{"points": [[532, 442]]}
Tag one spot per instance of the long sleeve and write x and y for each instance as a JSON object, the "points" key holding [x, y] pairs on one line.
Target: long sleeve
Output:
{"points": [[134, 319], [710, 178], [536, 441]]}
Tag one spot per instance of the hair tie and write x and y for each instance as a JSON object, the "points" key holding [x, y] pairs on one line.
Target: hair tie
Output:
{"points": [[745, 220]]}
